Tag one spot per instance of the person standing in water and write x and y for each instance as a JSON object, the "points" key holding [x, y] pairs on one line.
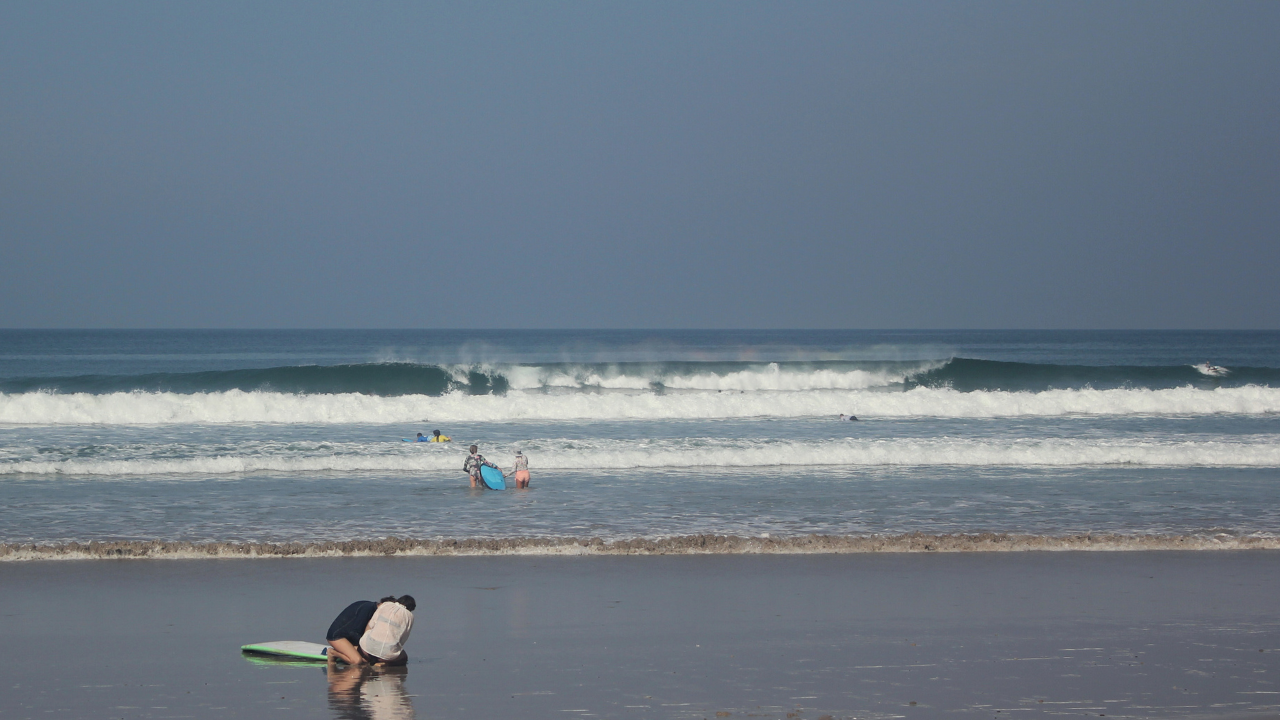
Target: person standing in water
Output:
{"points": [[472, 466], [522, 470]]}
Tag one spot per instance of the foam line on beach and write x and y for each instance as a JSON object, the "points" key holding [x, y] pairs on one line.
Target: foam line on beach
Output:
{"points": [[680, 545]]}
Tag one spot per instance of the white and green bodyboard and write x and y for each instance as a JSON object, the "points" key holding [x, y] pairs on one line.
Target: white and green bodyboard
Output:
{"points": [[289, 650]]}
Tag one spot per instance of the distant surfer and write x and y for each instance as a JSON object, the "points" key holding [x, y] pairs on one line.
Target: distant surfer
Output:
{"points": [[850, 418], [372, 632], [1212, 370], [522, 470], [472, 466]]}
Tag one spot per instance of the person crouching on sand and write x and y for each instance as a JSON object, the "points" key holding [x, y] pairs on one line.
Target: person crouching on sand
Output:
{"points": [[372, 632], [522, 470]]}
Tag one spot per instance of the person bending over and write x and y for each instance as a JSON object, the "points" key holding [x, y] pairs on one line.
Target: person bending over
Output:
{"points": [[372, 632]]}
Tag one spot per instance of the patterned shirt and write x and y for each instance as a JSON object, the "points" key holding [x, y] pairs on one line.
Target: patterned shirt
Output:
{"points": [[473, 464]]}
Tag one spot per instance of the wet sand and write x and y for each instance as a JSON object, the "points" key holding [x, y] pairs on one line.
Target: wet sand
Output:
{"points": [[1148, 634]]}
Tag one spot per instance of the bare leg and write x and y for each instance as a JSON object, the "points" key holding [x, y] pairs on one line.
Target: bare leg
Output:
{"points": [[345, 651]]}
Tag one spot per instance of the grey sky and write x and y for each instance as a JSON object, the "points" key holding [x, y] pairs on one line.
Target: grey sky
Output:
{"points": [[859, 165]]}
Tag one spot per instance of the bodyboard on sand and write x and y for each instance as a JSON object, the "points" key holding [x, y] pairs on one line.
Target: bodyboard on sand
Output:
{"points": [[289, 650], [493, 478]]}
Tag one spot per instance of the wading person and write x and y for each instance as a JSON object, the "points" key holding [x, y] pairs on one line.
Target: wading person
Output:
{"points": [[472, 466], [522, 470]]}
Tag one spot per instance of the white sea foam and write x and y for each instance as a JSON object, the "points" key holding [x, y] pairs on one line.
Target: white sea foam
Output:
{"points": [[764, 377], [704, 454], [235, 406], [773, 378]]}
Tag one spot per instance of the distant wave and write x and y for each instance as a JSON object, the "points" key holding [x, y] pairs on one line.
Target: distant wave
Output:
{"points": [[681, 545], [399, 379], [381, 379], [686, 455], [238, 406], [967, 375]]}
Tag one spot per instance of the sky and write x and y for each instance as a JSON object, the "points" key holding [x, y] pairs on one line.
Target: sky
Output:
{"points": [[640, 165]]}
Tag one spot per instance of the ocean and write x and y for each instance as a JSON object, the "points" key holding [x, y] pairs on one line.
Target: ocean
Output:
{"points": [[175, 443]]}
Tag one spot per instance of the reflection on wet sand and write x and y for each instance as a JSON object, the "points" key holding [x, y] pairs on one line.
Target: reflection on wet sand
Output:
{"points": [[365, 693]]}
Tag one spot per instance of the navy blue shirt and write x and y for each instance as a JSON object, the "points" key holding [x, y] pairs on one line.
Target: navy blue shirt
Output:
{"points": [[350, 623]]}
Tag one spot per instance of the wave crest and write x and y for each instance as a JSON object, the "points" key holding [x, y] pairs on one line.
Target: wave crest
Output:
{"points": [[393, 379]]}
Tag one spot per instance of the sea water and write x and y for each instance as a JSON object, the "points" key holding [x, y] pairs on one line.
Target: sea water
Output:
{"points": [[249, 437]]}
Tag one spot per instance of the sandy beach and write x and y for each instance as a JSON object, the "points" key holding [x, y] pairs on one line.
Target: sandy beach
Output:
{"points": [[1066, 634]]}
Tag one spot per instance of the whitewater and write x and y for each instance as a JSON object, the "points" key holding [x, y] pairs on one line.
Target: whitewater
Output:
{"points": [[689, 454], [220, 442], [237, 406]]}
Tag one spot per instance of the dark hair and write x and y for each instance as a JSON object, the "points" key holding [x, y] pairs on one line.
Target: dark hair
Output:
{"points": [[435, 432], [406, 600], [475, 448]]}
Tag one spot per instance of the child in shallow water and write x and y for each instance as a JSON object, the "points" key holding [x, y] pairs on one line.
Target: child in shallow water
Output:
{"points": [[522, 470]]}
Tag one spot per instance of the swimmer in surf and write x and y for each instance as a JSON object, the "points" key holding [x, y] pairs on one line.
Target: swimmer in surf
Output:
{"points": [[850, 418], [437, 437], [472, 466]]}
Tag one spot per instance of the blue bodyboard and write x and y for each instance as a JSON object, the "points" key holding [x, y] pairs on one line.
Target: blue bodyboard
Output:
{"points": [[493, 478]]}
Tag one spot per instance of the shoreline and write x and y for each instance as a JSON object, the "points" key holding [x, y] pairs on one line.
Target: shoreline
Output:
{"points": [[678, 545], [1157, 635]]}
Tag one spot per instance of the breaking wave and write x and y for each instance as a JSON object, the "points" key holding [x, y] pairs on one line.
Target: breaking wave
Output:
{"points": [[395, 379], [238, 406]]}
